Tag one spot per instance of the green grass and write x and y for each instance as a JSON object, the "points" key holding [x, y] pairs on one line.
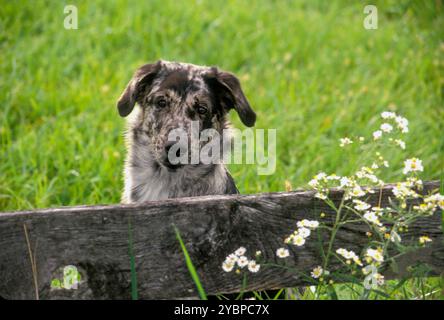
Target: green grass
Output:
{"points": [[407, 289], [309, 68]]}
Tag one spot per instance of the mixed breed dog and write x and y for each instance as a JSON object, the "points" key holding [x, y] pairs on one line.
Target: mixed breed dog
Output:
{"points": [[162, 97]]}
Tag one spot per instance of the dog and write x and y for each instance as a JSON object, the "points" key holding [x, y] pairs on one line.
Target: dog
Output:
{"points": [[164, 96]]}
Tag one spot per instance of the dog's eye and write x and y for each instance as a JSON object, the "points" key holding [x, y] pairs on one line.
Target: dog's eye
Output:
{"points": [[202, 109], [161, 103]]}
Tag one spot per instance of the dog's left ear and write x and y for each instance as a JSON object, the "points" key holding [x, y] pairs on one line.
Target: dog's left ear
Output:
{"points": [[143, 77], [232, 96]]}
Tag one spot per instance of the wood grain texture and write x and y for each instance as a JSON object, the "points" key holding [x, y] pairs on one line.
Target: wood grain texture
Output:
{"points": [[95, 240]]}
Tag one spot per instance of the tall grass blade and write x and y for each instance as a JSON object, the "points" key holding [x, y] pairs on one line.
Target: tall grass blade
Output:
{"points": [[33, 263], [191, 267]]}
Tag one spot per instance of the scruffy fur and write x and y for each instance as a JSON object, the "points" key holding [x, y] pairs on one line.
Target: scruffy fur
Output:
{"points": [[166, 95]]}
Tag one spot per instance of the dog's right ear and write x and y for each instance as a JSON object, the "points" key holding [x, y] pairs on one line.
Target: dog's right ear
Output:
{"points": [[142, 78], [230, 93]]}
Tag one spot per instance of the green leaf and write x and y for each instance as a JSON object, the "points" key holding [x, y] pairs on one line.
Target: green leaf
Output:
{"points": [[56, 284], [278, 294], [398, 285], [191, 267], [381, 293], [332, 292]]}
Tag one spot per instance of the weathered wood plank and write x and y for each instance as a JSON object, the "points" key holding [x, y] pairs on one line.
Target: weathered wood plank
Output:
{"points": [[95, 239]]}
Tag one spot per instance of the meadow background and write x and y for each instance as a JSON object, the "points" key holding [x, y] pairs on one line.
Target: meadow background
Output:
{"points": [[309, 69]]}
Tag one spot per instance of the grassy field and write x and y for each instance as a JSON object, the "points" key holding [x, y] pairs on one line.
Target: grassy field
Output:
{"points": [[309, 68]]}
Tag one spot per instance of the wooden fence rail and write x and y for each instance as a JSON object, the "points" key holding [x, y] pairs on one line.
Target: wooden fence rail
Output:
{"points": [[95, 239]]}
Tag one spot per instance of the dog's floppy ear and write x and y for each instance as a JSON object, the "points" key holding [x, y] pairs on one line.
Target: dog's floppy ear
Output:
{"points": [[142, 78], [232, 96]]}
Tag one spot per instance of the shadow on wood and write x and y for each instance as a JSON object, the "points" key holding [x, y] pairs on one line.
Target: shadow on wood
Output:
{"points": [[95, 239]]}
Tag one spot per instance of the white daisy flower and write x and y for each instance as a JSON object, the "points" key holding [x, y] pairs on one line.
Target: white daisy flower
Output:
{"points": [[228, 266], [320, 195], [357, 192], [321, 175], [298, 240], [377, 135], [412, 165], [313, 183], [379, 279], [403, 190], [386, 127], [344, 182], [333, 177], [304, 232], [425, 208], [349, 255], [436, 199], [378, 210], [375, 254], [312, 224], [402, 124], [388, 115], [317, 272], [357, 260], [361, 205], [282, 253], [253, 266], [346, 254], [345, 141], [302, 223], [373, 280], [242, 261], [232, 257], [372, 217], [240, 252]]}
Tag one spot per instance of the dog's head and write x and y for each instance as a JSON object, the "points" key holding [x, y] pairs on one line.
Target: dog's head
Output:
{"points": [[172, 95]]}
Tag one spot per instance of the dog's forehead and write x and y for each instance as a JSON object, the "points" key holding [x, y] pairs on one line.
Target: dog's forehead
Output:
{"points": [[191, 69], [181, 77]]}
